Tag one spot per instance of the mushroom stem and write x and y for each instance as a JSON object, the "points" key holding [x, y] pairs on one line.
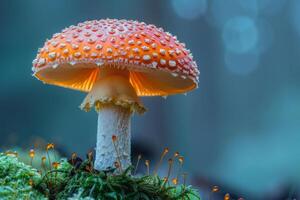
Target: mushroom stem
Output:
{"points": [[115, 100], [113, 120]]}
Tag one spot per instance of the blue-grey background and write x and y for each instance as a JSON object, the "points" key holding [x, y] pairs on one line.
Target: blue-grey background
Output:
{"points": [[239, 130]]}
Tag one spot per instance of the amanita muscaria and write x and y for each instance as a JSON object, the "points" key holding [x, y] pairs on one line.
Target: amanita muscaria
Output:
{"points": [[116, 62]]}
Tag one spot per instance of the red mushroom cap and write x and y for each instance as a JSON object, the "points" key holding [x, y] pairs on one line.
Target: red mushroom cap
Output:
{"points": [[158, 63]]}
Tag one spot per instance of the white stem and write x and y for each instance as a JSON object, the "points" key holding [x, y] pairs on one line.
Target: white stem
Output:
{"points": [[113, 120]]}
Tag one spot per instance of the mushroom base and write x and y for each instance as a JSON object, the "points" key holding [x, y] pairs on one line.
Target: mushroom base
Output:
{"points": [[113, 87], [113, 120]]}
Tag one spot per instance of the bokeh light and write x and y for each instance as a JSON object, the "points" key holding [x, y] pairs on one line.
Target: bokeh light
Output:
{"points": [[240, 34], [241, 64], [189, 9], [222, 11], [295, 14], [265, 7], [265, 36]]}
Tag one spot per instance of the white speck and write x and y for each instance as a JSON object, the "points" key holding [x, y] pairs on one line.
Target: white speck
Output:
{"points": [[123, 53], [99, 63], [163, 62], [184, 94], [91, 41], [139, 42], [113, 40], [172, 63], [66, 51], [165, 97], [55, 65], [62, 45], [75, 46], [98, 46], [87, 34], [174, 74], [41, 61], [177, 51], [163, 42], [153, 45], [73, 62], [147, 41], [77, 54], [145, 48], [54, 43], [171, 52], [34, 61], [86, 48], [154, 64], [146, 57], [131, 42], [52, 55], [130, 56], [94, 54], [136, 50], [154, 55], [109, 50], [162, 52]]}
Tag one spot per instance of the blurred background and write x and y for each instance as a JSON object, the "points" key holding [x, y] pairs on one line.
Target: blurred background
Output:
{"points": [[239, 130]]}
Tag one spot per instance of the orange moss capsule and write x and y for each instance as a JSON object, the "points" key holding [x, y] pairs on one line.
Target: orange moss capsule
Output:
{"points": [[227, 196], [55, 165], [175, 181], [31, 153], [147, 163], [49, 146], [215, 189], [181, 159], [166, 150], [176, 154]]}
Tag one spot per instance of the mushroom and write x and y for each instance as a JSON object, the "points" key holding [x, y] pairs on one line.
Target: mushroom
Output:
{"points": [[116, 62]]}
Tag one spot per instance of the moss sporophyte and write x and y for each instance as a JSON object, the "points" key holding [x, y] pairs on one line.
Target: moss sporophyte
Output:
{"points": [[76, 178]]}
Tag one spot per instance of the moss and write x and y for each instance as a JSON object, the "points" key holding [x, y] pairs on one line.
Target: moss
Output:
{"points": [[16, 179], [87, 183], [79, 181]]}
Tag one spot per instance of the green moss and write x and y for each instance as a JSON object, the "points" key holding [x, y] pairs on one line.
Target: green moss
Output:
{"points": [[87, 183], [15, 178], [82, 182]]}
